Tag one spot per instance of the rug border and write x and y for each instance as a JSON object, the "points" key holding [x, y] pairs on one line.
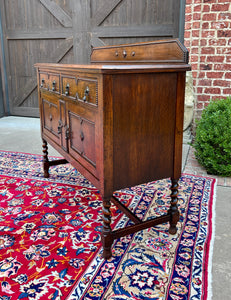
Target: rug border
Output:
{"points": [[209, 257], [212, 239]]}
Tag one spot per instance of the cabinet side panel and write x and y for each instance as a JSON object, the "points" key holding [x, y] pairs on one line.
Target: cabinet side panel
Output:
{"points": [[144, 127], [179, 125]]}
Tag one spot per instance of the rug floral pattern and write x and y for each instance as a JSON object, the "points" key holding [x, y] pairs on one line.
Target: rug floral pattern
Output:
{"points": [[50, 237]]}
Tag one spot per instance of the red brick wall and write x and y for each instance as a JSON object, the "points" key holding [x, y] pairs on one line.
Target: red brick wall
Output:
{"points": [[208, 39]]}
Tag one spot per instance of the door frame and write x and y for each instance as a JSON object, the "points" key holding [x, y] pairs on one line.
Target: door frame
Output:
{"points": [[4, 97]]}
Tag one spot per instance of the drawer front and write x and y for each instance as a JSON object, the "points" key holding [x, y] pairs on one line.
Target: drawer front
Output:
{"points": [[49, 81], [80, 89], [82, 143]]}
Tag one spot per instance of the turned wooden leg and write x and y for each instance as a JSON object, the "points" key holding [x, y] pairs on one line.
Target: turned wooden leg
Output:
{"points": [[106, 235], [173, 211], [45, 159]]}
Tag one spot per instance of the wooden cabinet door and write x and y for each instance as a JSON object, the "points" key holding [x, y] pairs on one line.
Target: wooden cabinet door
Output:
{"points": [[53, 118], [82, 143], [33, 31]]}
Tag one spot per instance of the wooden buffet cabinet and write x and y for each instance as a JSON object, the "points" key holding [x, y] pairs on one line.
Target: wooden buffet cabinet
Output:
{"points": [[119, 121]]}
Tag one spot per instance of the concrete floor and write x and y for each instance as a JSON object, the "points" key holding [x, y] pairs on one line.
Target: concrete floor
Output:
{"points": [[23, 135]]}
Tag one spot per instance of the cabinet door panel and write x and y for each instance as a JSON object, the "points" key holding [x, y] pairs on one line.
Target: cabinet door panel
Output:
{"points": [[82, 141], [88, 139], [51, 119], [76, 143]]}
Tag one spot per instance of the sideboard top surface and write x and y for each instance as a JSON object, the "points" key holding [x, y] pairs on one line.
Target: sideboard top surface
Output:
{"points": [[99, 68]]}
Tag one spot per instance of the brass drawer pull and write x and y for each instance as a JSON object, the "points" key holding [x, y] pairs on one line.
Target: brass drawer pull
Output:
{"points": [[86, 94], [53, 85], [60, 127], [67, 133], [42, 82], [67, 89], [81, 136]]}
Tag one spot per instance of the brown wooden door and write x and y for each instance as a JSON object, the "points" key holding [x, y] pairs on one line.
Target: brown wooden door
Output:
{"points": [[64, 32], [34, 31]]}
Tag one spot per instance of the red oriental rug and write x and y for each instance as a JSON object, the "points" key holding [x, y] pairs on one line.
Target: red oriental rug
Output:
{"points": [[50, 237]]}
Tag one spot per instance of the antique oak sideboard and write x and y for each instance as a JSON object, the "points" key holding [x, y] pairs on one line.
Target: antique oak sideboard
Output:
{"points": [[119, 121]]}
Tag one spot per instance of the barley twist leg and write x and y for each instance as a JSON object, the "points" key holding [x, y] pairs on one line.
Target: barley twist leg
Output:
{"points": [[45, 159], [106, 236], [173, 211]]}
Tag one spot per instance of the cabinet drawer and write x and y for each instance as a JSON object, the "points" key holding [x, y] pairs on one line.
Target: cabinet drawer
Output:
{"points": [[80, 89], [49, 81]]}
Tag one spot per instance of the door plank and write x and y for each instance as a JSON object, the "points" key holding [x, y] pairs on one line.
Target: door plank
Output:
{"points": [[103, 11], [82, 31], [125, 31], [39, 35], [97, 42], [31, 84], [25, 91], [57, 12]]}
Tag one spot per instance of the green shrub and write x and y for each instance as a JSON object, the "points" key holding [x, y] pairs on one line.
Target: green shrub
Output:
{"points": [[213, 138]]}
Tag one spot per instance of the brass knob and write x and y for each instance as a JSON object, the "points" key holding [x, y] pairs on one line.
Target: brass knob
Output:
{"points": [[124, 53]]}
